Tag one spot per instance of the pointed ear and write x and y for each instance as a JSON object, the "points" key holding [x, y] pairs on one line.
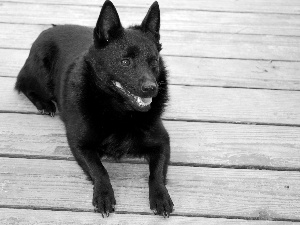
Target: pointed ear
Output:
{"points": [[108, 22], [151, 22]]}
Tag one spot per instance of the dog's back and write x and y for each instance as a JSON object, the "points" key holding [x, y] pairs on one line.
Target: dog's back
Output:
{"points": [[50, 56]]}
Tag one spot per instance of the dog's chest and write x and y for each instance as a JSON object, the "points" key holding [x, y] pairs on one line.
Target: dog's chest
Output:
{"points": [[122, 140]]}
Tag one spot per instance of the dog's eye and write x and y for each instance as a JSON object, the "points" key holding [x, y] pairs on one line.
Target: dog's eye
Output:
{"points": [[125, 62]]}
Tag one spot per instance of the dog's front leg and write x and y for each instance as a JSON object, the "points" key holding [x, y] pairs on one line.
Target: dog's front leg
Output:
{"points": [[103, 197], [160, 200]]}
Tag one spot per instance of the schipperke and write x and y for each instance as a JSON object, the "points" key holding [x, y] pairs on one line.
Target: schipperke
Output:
{"points": [[110, 87]]}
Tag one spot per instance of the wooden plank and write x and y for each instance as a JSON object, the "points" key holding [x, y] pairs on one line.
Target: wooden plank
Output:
{"points": [[196, 143], [200, 71], [195, 191], [11, 61], [46, 217], [179, 43], [233, 73], [233, 105], [16, 35], [172, 19], [260, 6], [231, 46]]}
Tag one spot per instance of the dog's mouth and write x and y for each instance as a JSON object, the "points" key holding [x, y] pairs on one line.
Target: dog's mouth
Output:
{"points": [[139, 103]]}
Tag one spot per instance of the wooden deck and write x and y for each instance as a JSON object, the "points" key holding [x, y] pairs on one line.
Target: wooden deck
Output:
{"points": [[233, 118]]}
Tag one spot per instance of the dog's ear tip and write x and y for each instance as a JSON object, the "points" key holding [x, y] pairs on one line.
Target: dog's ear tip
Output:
{"points": [[108, 22], [151, 21], [108, 3], [155, 5]]}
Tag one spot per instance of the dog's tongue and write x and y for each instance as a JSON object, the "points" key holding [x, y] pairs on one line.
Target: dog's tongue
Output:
{"points": [[147, 100]]}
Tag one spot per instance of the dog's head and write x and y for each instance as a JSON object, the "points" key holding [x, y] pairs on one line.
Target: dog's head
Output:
{"points": [[127, 61]]}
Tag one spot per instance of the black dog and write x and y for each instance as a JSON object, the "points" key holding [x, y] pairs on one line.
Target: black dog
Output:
{"points": [[110, 86]]}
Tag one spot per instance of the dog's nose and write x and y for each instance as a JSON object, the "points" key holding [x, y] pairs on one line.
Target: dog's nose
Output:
{"points": [[149, 88]]}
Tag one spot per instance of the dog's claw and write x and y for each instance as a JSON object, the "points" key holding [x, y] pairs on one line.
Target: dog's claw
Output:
{"points": [[104, 213], [43, 112], [165, 214]]}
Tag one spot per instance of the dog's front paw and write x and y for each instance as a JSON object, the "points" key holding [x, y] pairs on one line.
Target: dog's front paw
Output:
{"points": [[160, 200], [104, 199]]}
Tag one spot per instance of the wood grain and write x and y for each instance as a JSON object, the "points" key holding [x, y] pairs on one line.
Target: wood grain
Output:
{"points": [[212, 45], [260, 6], [46, 217], [200, 71], [194, 190], [205, 104], [191, 143], [172, 19]]}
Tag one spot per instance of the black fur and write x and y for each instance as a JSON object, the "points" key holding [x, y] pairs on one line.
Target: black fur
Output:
{"points": [[103, 80]]}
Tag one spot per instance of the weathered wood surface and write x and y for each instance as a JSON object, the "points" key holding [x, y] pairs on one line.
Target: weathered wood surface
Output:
{"points": [[45, 217], [195, 191], [172, 19], [229, 43], [215, 45], [260, 6], [205, 104], [191, 143], [200, 71]]}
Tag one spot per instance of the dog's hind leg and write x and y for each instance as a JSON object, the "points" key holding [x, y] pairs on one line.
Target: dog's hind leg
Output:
{"points": [[34, 80], [35, 88]]}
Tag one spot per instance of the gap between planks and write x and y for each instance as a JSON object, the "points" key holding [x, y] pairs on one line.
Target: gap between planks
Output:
{"points": [[42, 217]]}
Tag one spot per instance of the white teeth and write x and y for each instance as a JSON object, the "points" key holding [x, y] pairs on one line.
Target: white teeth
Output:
{"points": [[143, 101], [140, 101], [118, 85]]}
